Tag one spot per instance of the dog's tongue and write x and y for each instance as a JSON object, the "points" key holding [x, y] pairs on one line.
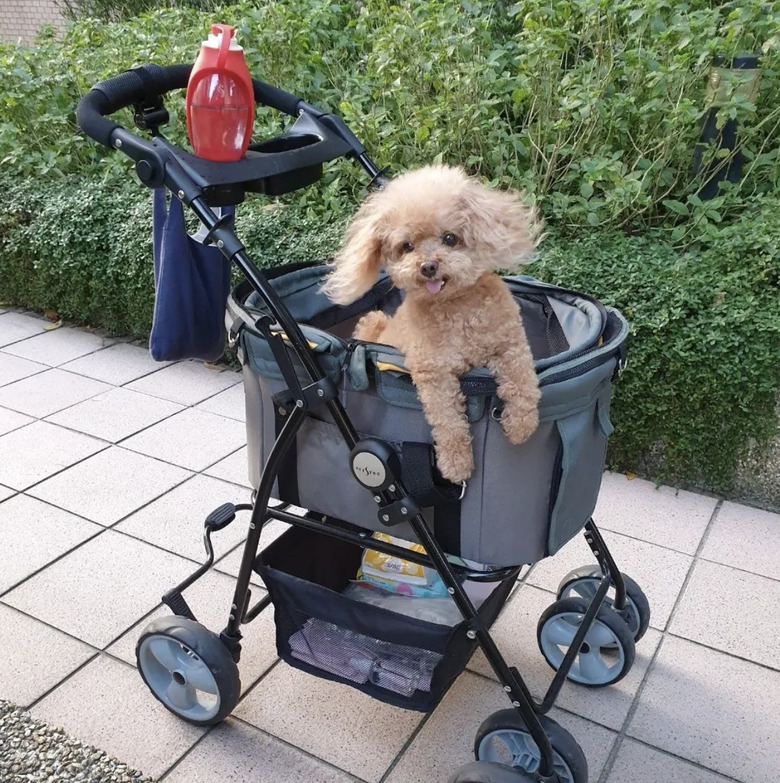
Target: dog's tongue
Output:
{"points": [[434, 286]]}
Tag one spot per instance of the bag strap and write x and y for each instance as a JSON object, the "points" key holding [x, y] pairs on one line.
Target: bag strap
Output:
{"points": [[417, 473]]}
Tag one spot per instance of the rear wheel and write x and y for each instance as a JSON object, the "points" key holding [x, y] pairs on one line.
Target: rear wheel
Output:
{"points": [[607, 652], [583, 583]]}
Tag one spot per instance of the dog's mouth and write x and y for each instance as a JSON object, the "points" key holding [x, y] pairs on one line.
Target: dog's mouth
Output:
{"points": [[434, 286]]}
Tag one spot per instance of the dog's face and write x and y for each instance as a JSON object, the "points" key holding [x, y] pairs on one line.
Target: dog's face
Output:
{"points": [[436, 232]]}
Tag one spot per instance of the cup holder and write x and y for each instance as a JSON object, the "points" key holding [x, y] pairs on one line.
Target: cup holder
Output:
{"points": [[293, 141]]}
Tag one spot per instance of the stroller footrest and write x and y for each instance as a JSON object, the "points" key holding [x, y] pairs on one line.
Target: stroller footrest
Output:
{"points": [[221, 517]]}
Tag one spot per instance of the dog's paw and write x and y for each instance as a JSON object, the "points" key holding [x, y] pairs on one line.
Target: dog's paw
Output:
{"points": [[370, 327], [519, 422], [455, 459]]}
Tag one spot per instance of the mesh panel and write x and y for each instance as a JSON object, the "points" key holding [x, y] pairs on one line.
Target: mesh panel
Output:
{"points": [[361, 659]]}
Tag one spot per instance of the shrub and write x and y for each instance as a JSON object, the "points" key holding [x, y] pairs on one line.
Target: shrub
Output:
{"points": [[705, 323], [703, 372], [82, 247], [593, 106]]}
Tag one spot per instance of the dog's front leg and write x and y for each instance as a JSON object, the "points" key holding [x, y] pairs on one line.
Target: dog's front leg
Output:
{"points": [[518, 387], [445, 410], [370, 327]]}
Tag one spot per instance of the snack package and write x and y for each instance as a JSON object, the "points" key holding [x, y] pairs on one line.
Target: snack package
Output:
{"points": [[397, 575]]}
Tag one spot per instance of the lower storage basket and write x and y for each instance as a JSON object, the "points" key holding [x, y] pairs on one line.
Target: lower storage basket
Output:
{"points": [[394, 658]]}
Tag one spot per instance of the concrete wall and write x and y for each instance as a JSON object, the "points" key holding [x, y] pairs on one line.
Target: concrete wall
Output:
{"points": [[22, 18]]}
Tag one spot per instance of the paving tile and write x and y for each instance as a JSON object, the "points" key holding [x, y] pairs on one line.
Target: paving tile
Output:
{"points": [[712, 709], [5, 493], [637, 763], [33, 534], [233, 468], [175, 520], [48, 392], [186, 382], [229, 403], [119, 364], [12, 368], [32, 453], [659, 572], [363, 736], [110, 485], [447, 740], [231, 563], [515, 634], [59, 346], [106, 704], [116, 414], [236, 753], [210, 599], [18, 326], [663, 515], [35, 657], [746, 538], [732, 611], [100, 589], [193, 439], [11, 420]]}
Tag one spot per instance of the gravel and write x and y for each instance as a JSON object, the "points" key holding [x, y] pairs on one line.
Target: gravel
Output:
{"points": [[32, 752]]}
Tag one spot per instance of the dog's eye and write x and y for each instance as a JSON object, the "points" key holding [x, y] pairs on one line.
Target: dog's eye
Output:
{"points": [[407, 247], [450, 239]]}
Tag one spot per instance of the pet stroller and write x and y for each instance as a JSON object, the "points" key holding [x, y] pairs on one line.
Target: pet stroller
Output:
{"points": [[335, 426]]}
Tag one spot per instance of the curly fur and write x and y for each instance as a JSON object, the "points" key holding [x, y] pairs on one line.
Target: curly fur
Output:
{"points": [[470, 321]]}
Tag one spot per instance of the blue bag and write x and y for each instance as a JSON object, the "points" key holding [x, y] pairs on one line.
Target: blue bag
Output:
{"points": [[191, 282]]}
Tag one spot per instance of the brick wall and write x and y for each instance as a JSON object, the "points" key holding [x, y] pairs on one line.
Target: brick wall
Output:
{"points": [[22, 18]]}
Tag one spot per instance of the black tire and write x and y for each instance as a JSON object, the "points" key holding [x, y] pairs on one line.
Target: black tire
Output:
{"points": [[488, 772], [179, 659], [608, 637], [569, 761], [637, 605]]}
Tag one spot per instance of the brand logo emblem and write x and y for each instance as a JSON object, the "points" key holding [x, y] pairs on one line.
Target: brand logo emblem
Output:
{"points": [[368, 469]]}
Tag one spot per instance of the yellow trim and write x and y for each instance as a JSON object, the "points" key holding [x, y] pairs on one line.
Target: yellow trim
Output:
{"points": [[383, 366], [284, 337]]}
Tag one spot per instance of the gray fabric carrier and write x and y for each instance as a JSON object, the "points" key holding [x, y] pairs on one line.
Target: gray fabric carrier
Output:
{"points": [[522, 503]]}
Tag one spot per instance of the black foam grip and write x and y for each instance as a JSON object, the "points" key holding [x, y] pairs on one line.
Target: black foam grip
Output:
{"points": [[276, 98]]}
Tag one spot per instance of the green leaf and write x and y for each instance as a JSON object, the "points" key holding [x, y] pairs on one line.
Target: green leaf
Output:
{"points": [[586, 189], [675, 206]]}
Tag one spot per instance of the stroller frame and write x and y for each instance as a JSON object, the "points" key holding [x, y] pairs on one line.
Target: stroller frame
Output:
{"points": [[192, 181]]}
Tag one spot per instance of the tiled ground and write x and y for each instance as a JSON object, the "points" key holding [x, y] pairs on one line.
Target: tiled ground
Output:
{"points": [[108, 462]]}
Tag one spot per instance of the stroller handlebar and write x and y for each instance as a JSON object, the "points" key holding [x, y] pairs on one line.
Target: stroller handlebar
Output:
{"points": [[148, 82]]}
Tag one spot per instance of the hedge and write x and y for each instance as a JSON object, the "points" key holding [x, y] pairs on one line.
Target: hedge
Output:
{"points": [[705, 336]]}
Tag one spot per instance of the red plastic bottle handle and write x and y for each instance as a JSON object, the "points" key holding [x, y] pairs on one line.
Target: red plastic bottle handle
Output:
{"points": [[224, 47]]}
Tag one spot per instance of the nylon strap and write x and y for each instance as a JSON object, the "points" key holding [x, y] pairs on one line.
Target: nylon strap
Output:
{"points": [[417, 473]]}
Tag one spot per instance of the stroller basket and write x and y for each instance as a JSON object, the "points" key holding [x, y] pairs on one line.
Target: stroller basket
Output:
{"points": [[401, 660], [523, 502]]}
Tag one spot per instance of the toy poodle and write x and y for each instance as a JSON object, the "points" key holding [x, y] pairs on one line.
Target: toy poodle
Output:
{"points": [[441, 235]]}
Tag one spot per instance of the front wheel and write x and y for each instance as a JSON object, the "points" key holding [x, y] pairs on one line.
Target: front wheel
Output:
{"points": [[504, 739], [188, 669]]}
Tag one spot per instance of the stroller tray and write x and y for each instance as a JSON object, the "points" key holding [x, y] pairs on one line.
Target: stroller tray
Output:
{"points": [[395, 658]]}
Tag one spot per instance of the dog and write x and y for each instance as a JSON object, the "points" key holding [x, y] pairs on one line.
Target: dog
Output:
{"points": [[441, 236]]}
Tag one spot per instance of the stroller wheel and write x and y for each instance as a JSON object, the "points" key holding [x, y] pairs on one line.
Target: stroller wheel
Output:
{"points": [[583, 583], [606, 654], [489, 772], [504, 739], [188, 669]]}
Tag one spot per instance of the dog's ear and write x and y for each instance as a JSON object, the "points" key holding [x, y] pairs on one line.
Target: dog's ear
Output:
{"points": [[499, 223], [355, 268]]}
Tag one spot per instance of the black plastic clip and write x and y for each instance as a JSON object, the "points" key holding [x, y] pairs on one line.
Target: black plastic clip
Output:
{"points": [[149, 115], [398, 512]]}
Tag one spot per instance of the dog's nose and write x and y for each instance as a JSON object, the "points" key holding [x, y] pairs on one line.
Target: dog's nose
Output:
{"points": [[429, 268]]}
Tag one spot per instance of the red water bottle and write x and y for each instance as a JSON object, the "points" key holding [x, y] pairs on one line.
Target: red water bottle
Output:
{"points": [[220, 98]]}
